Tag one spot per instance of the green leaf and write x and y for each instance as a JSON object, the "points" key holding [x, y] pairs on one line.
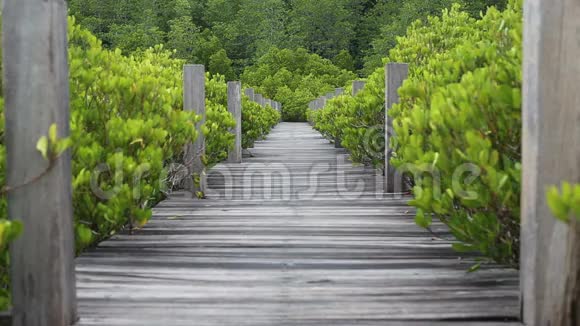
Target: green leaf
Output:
{"points": [[42, 147], [423, 220], [474, 268], [52, 133]]}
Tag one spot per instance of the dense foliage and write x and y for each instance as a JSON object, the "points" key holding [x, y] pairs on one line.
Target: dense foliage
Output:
{"points": [[460, 113], [228, 36], [257, 121], [293, 78]]}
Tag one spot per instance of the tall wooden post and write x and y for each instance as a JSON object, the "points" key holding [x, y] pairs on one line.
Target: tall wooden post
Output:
{"points": [[357, 86], [550, 250], [249, 93], [194, 100], [36, 96], [395, 75], [235, 108]]}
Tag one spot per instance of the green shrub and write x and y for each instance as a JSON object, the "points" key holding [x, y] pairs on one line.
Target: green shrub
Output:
{"points": [[293, 77], [257, 121], [461, 105]]}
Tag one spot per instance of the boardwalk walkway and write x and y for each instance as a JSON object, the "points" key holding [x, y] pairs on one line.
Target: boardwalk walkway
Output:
{"points": [[293, 236]]}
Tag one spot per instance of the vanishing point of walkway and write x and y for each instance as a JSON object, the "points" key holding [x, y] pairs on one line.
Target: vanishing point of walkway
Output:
{"points": [[295, 235]]}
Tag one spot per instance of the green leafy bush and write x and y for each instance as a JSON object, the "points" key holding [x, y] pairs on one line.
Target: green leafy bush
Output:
{"points": [[293, 77], [460, 109], [257, 121], [127, 120]]}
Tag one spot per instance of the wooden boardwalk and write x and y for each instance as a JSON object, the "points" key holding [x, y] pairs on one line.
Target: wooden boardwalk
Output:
{"points": [[295, 235]]}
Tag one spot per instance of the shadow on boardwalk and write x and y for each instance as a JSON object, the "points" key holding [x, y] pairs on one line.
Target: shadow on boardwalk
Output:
{"points": [[293, 236]]}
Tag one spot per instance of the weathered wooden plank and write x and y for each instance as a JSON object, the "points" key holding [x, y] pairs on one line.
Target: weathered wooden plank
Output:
{"points": [[550, 250], [36, 96], [235, 108]]}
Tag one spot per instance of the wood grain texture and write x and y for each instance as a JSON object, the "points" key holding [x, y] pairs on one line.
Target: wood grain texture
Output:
{"points": [[249, 92], [304, 238], [395, 75], [235, 108], [36, 93], [259, 98], [357, 86], [550, 250], [194, 100]]}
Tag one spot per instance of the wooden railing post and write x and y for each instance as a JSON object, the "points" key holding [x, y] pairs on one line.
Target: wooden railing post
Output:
{"points": [[249, 93], [395, 75], [259, 99], [321, 102], [36, 90], [357, 86], [550, 250], [235, 108], [194, 100]]}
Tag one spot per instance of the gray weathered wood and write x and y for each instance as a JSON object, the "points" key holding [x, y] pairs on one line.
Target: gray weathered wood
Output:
{"points": [[312, 105], [395, 75], [235, 108], [338, 91], [194, 100], [259, 98], [36, 93], [357, 86], [550, 250], [249, 93], [321, 102], [294, 257]]}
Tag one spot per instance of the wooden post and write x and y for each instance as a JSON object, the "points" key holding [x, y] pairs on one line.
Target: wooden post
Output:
{"points": [[194, 100], [259, 99], [321, 102], [36, 89], [235, 108], [550, 250], [395, 75], [357, 86], [312, 105], [249, 93], [338, 91]]}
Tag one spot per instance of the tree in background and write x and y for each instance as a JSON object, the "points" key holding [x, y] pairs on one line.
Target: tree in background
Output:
{"points": [[323, 27], [354, 34], [294, 77]]}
